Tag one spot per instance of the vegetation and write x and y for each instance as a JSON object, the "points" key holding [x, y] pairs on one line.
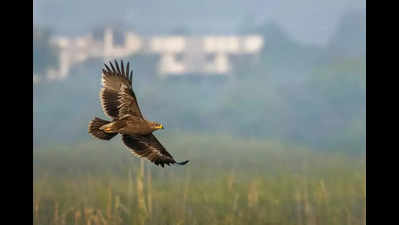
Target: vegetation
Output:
{"points": [[228, 181]]}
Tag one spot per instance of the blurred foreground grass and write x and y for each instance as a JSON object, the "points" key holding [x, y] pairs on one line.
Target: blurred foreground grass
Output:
{"points": [[228, 181]]}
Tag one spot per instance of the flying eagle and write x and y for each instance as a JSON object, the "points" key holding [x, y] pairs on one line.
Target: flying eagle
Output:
{"points": [[119, 102]]}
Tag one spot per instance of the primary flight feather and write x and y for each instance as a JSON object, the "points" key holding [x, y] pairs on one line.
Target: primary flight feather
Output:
{"points": [[119, 102]]}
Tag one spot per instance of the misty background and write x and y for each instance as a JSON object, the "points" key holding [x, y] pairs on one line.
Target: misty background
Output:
{"points": [[307, 85]]}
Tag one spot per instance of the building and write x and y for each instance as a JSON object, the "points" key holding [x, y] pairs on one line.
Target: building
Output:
{"points": [[205, 55]]}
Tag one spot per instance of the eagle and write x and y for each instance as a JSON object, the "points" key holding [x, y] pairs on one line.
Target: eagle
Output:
{"points": [[119, 102]]}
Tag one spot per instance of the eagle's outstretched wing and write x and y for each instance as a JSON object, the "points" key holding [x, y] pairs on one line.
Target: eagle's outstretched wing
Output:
{"points": [[117, 96], [149, 147]]}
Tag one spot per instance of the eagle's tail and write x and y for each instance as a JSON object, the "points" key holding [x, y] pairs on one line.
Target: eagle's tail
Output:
{"points": [[94, 129]]}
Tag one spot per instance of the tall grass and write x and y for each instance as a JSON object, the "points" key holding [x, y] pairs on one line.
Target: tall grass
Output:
{"points": [[228, 181]]}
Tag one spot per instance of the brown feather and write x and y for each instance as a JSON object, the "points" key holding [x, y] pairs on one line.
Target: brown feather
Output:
{"points": [[123, 70], [121, 83], [94, 130], [149, 147], [117, 67]]}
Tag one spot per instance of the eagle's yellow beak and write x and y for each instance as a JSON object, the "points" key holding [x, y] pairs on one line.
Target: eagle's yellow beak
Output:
{"points": [[159, 127]]}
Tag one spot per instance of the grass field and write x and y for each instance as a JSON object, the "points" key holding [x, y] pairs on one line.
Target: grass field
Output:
{"points": [[228, 181]]}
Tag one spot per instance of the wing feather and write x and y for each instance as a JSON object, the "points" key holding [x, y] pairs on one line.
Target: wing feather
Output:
{"points": [[109, 102], [127, 70], [117, 90], [127, 103], [113, 68], [123, 70], [117, 67], [149, 147]]}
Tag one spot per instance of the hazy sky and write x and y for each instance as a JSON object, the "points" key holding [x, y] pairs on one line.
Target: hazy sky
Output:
{"points": [[311, 21]]}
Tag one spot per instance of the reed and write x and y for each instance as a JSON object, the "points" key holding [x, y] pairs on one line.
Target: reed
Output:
{"points": [[295, 187], [142, 209]]}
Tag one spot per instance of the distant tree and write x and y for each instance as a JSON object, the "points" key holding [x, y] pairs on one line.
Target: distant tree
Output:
{"points": [[349, 40], [282, 50], [44, 54]]}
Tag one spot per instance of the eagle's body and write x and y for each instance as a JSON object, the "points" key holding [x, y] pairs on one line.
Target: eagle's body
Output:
{"points": [[119, 103], [130, 125]]}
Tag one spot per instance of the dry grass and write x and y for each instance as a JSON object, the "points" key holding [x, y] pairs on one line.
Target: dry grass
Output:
{"points": [[268, 184]]}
